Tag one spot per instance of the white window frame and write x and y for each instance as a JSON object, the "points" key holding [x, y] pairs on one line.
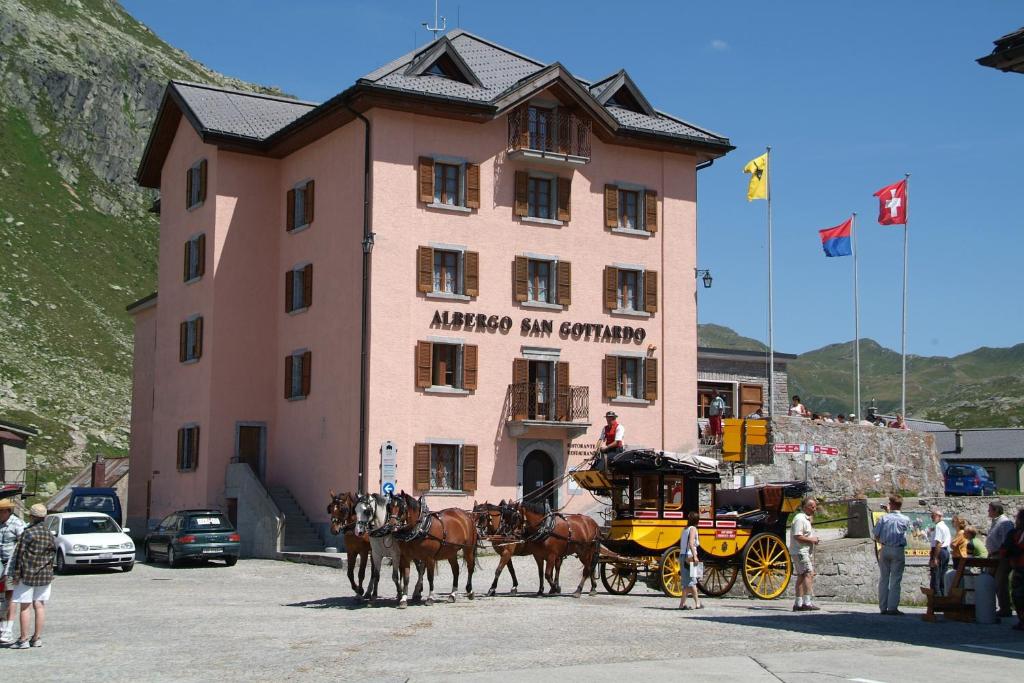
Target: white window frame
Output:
{"points": [[641, 210], [191, 331], [296, 388], [458, 444], [300, 189], [460, 370], [435, 203], [297, 288], [193, 258], [733, 388], [552, 199], [194, 199], [641, 379]]}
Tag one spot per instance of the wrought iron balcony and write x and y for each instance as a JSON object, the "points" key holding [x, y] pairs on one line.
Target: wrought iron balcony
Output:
{"points": [[532, 405], [556, 136]]}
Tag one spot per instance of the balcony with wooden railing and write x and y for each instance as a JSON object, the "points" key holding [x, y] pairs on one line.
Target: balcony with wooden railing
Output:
{"points": [[555, 136], [536, 406]]}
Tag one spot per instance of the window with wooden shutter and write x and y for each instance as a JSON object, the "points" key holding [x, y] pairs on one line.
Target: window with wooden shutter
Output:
{"points": [[202, 181], [289, 291], [564, 289], [307, 204], [651, 379], [472, 273], [197, 338], [187, 272], [201, 246], [522, 204], [469, 457], [194, 459], [473, 186], [307, 372], [469, 367], [307, 286], [424, 356], [520, 388], [520, 278], [426, 180], [181, 446], [611, 376], [290, 216], [751, 398], [189, 175], [424, 269], [564, 199], [289, 376], [183, 342], [421, 467], [611, 206], [651, 211], [651, 291], [611, 287], [562, 402]]}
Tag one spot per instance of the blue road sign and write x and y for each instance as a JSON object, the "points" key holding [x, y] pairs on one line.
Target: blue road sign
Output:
{"points": [[388, 487]]}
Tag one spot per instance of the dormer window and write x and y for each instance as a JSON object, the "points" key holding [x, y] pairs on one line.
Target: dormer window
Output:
{"points": [[442, 60]]}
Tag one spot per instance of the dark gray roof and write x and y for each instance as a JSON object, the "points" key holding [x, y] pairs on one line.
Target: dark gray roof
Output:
{"points": [[982, 444], [238, 113]]}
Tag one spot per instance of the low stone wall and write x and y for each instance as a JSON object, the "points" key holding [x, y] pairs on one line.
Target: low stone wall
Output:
{"points": [[260, 523], [848, 570], [870, 459], [972, 508]]}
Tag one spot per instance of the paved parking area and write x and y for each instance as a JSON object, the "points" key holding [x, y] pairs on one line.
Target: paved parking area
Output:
{"points": [[264, 620]]}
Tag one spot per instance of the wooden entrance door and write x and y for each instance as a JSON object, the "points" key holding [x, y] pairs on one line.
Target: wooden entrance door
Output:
{"points": [[751, 398], [250, 448], [538, 472]]}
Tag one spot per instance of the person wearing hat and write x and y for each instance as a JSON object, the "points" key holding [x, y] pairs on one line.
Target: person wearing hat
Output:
{"points": [[33, 575], [611, 437], [11, 528]]}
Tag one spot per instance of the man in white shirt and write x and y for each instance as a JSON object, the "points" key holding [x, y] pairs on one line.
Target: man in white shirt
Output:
{"points": [[802, 540], [998, 530], [939, 562]]}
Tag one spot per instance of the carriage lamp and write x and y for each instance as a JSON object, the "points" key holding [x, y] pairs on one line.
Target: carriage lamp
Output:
{"points": [[707, 276]]}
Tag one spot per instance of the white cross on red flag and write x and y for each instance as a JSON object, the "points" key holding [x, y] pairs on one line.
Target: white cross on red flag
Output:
{"points": [[892, 207]]}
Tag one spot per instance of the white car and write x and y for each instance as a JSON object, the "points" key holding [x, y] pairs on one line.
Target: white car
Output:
{"points": [[90, 539]]}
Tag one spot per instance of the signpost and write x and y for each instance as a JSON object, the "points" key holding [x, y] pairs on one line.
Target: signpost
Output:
{"points": [[388, 467], [808, 449]]}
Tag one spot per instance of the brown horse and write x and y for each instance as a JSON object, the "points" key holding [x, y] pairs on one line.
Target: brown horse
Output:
{"points": [[552, 536], [343, 518], [499, 524], [425, 537]]}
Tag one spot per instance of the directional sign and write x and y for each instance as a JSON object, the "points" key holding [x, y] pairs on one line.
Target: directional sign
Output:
{"points": [[388, 488], [388, 465], [790, 447], [818, 449]]}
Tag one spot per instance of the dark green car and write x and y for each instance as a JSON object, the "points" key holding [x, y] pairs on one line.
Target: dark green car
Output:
{"points": [[193, 535]]}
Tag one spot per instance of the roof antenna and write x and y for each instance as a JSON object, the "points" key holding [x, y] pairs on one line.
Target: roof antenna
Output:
{"points": [[436, 28]]}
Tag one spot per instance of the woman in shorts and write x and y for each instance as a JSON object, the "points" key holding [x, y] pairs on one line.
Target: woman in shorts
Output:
{"points": [[688, 559]]}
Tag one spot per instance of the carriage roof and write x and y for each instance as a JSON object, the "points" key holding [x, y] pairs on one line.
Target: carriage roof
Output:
{"points": [[650, 460]]}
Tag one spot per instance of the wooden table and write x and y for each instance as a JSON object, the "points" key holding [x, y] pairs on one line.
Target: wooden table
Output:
{"points": [[952, 604]]}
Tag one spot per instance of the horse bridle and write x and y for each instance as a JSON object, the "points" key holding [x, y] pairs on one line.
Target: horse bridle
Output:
{"points": [[337, 507]]}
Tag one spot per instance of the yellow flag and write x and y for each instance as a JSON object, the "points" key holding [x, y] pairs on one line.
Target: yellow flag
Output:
{"points": [[758, 170]]}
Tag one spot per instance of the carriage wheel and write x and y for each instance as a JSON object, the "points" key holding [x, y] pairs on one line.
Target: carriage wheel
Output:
{"points": [[671, 576], [718, 579], [766, 566], [618, 579]]}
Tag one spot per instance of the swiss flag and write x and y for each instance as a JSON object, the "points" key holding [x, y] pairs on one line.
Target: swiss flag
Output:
{"points": [[892, 204]]}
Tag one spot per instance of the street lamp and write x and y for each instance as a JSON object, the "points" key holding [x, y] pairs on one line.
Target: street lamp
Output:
{"points": [[707, 276]]}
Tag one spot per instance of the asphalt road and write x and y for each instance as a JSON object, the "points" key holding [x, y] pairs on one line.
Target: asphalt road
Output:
{"points": [[264, 620]]}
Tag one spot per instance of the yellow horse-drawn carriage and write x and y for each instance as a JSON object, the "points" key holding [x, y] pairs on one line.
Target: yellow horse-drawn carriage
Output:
{"points": [[741, 530]]}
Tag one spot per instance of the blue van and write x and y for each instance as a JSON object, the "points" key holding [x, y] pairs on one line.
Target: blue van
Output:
{"points": [[88, 499], [968, 480]]}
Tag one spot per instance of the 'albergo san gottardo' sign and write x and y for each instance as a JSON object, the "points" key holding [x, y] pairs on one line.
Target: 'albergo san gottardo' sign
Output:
{"points": [[535, 327]]}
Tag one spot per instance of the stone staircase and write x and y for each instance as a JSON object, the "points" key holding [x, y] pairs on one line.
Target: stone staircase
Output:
{"points": [[299, 533]]}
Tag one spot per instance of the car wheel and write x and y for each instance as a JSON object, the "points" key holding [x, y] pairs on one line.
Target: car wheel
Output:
{"points": [[230, 561], [172, 561], [149, 554], [127, 567], [61, 566]]}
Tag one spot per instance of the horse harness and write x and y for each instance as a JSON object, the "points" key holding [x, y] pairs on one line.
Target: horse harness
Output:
{"points": [[546, 529], [421, 531]]}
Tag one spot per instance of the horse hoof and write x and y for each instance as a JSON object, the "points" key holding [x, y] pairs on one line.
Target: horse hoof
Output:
{"points": [[429, 601], [593, 592], [514, 591], [451, 598], [492, 592], [402, 604], [359, 592], [576, 595], [470, 596]]}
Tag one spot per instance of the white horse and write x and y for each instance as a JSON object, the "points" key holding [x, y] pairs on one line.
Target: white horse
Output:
{"points": [[371, 513]]}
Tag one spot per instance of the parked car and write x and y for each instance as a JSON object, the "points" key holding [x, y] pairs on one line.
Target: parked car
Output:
{"points": [[87, 499], [968, 480], [194, 535], [90, 539]]}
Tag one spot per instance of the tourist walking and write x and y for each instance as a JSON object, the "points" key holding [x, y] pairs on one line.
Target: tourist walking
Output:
{"points": [[11, 528], [998, 530], [33, 576], [716, 411], [1013, 551], [802, 540], [692, 567], [938, 562], [890, 533]]}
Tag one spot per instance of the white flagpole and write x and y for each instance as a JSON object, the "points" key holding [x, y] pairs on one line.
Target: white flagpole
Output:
{"points": [[856, 316], [906, 242], [771, 310]]}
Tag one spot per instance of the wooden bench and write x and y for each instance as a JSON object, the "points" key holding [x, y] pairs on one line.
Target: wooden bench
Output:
{"points": [[953, 604]]}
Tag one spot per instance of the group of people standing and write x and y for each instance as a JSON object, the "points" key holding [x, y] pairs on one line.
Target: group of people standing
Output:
{"points": [[27, 553]]}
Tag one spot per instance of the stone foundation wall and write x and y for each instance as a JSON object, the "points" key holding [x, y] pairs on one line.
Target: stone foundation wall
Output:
{"points": [[972, 508], [848, 570]]}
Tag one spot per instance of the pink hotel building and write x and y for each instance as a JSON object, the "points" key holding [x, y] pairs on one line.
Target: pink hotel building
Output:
{"points": [[442, 277]]}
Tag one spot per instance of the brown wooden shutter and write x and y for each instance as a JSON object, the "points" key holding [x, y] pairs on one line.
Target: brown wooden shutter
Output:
{"points": [[188, 188], [520, 278], [611, 206], [469, 453], [424, 358], [198, 348], [288, 376], [289, 219], [611, 376], [473, 186], [651, 291], [751, 398], [651, 379], [426, 176], [520, 388], [651, 211], [307, 372], [425, 269], [564, 282], [188, 249], [562, 391], [469, 367], [564, 199], [201, 247], [182, 342], [472, 276], [194, 433], [181, 446], [522, 207], [289, 290], [611, 287], [307, 285], [421, 467], [308, 202], [523, 113], [202, 181]]}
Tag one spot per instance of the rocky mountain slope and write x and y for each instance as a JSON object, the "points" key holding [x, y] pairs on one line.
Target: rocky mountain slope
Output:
{"points": [[80, 82]]}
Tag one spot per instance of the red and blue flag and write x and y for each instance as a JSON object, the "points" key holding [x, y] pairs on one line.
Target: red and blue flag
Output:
{"points": [[836, 241]]}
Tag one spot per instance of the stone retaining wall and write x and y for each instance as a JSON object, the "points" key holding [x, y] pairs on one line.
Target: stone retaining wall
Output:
{"points": [[848, 571], [973, 508]]}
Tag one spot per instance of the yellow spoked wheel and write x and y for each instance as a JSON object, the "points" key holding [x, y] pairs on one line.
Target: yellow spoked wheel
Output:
{"points": [[618, 579], [766, 566], [718, 579], [671, 574]]}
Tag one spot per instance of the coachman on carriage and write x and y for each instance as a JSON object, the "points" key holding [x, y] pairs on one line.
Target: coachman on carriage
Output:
{"points": [[741, 530]]}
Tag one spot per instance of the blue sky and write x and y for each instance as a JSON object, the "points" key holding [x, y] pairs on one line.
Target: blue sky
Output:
{"points": [[849, 95]]}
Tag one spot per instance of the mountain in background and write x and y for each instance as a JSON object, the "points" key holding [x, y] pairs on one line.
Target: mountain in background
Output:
{"points": [[80, 84], [982, 388]]}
